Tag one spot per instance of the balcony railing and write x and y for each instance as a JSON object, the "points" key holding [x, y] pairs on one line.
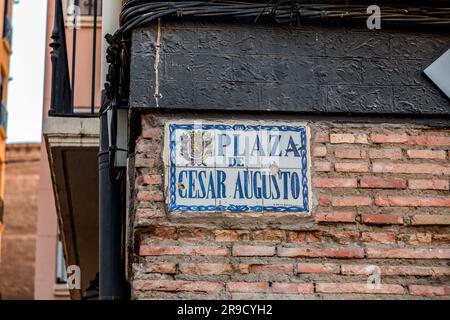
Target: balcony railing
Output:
{"points": [[63, 79], [3, 117], [87, 7], [7, 31]]}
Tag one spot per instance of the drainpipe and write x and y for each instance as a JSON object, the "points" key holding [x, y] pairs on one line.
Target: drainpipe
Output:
{"points": [[111, 248]]}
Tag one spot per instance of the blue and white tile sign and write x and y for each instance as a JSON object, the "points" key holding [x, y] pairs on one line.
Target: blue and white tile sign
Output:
{"points": [[237, 167]]}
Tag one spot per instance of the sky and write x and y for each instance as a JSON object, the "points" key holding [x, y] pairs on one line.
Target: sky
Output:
{"points": [[26, 88]]}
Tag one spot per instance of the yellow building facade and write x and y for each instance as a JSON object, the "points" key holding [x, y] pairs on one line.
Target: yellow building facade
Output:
{"points": [[5, 53]]}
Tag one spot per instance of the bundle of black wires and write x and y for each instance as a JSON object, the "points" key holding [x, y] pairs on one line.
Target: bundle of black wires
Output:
{"points": [[139, 13]]}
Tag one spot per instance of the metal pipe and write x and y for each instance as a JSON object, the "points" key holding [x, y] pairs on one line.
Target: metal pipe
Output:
{"points": [[110, 221], [112, 249]]}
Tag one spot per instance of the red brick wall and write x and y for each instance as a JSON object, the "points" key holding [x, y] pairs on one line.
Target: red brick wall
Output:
{"points": [[381, 203]]}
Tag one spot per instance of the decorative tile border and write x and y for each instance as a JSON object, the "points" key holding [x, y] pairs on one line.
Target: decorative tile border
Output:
{"points": [[303, 167]]}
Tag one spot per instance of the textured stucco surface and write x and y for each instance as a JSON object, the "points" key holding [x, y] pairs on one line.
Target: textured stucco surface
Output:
{"points": [[19, 238], [294, 69]]}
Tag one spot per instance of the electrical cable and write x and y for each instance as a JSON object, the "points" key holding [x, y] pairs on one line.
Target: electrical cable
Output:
{"points": [[139, 13]]}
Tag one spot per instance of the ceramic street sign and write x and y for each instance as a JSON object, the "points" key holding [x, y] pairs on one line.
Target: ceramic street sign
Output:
{"points": [[238, 167]]}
